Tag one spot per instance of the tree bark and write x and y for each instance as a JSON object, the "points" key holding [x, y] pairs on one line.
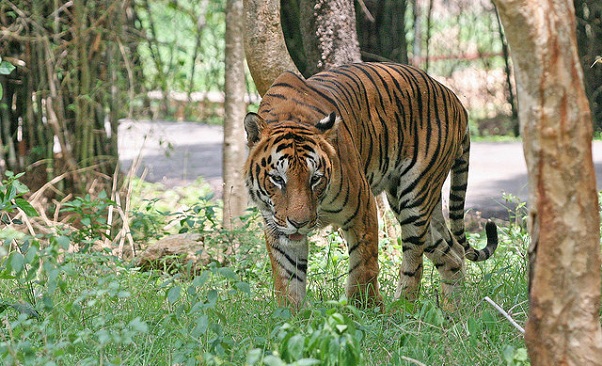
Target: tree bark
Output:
{"points": [[564, 279], [329, 33], [235, 108], [267, 55]]}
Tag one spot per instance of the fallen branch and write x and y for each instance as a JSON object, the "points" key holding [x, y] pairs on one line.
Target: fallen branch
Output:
{"points": [[505, 314]]}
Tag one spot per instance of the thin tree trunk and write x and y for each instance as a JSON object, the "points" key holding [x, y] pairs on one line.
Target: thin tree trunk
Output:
{"points": [[508, 72], [234, 141], [564, 279], [153, 46], [201, 23], [429, 18], [417, 45]]}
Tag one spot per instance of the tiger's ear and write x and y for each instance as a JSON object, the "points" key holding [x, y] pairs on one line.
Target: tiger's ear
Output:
{"points": [[328, 125], [253, 127]]}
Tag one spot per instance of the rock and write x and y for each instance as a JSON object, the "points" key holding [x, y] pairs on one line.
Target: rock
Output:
{"points": [[176, 253]]}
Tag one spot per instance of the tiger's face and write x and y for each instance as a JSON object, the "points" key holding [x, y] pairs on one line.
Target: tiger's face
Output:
{"points": [[288, 173]]}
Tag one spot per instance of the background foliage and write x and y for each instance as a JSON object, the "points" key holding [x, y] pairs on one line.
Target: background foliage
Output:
{"points": [[81, 66]]}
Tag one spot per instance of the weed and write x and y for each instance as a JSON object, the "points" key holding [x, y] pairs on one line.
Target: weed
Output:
{"points": [[86, 308], [11, 199], [327, 336], [90, 214]]}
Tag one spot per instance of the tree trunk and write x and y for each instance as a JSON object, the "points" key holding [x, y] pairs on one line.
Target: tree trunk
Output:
{"points": [[564, 279], [382, 30], [589, 38], [329, 33], [292, 34], [235, 107], [265, 48]]}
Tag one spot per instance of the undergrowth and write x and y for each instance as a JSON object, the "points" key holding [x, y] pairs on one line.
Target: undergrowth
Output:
{"points": [[64, 303]]}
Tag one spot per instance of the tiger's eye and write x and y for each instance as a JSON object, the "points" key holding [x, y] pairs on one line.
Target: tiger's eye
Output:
{"points": [[315, 179], [277, 180]]}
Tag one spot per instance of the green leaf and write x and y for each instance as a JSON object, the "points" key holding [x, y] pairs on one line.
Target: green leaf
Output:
{"points": [[341, 328], [228, 273], [201, 279], [26, 207], [253, 356], [272, 360], [212, 297], [244, 288], [62, 241], [11, 191], [508, 354], [202, 324], [17, 261], [307, 362], [173, 294], [295, 347], [138, 325], [521, 355], [20, 187], [31, 253], [6, 67]]}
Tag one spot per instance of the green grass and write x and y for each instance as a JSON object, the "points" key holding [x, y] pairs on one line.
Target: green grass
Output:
{"points": [[60, 308]]}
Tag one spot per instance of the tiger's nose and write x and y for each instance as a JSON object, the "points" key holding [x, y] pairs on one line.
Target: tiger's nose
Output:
{"points": [[298, 224]]}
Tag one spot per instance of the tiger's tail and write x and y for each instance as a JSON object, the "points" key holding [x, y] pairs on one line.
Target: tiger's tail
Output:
{"points": [[457, 199]]}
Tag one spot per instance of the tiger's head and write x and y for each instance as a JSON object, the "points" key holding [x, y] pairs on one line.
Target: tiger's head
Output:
{"points": [[289, 171]]}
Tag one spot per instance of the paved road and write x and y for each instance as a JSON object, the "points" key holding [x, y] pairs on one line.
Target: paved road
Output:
{"points": [[176, 153]]}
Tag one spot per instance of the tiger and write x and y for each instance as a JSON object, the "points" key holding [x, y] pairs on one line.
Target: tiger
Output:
{"points": [[321, 149]]}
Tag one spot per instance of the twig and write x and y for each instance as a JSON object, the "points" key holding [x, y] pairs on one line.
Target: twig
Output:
{"points": [[367, 13], [23, 216], [38, 194], [124, 214], [416, 362], [123, 209], [107, 241], [122, 233], [505, 314]]}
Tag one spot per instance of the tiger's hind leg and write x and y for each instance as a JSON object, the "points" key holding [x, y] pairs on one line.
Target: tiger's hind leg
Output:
{"points": [[448, 257], [414, 234], [416, 202]]}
